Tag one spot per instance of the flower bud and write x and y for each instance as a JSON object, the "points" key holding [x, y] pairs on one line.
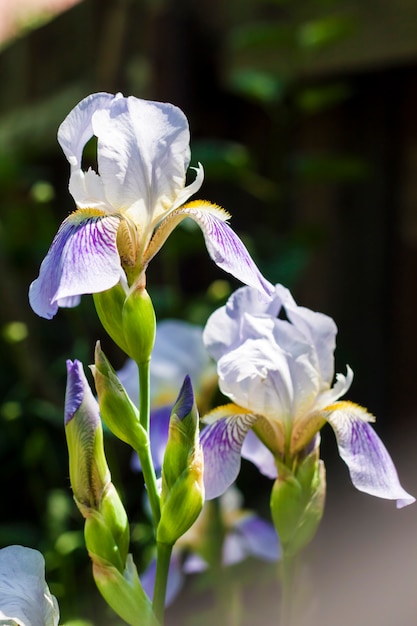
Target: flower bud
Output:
{"points": [[123, 592], [182, 495], [109, 306], [129, 319], [89, 474], [297, 502], [139, 325], [116, 408], [106, 527]]}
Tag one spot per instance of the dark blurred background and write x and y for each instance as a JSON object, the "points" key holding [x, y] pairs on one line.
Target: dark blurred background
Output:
{"points": [[303, 113]]}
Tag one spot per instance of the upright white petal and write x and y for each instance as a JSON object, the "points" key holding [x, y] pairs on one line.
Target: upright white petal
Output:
{"points": [[143, 154], [77, 128]]}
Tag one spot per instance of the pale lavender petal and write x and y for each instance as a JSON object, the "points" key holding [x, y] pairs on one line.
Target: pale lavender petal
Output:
{"points": [[83, 258], [194, 564], [233, 549], [77, 128], [255, 451], [222, 441], [226, 248], [175, 578], [258, 537], [370, 466]]}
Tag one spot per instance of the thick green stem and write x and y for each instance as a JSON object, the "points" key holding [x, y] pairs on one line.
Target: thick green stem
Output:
{"points": [[144, 453], [164, 551]]}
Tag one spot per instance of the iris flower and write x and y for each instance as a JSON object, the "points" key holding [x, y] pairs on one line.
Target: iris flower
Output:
{"points": [[25, 599], [128, 207], [275, 361]]}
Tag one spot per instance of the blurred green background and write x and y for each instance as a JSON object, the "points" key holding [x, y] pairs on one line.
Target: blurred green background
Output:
{"points": [[303, 115]]}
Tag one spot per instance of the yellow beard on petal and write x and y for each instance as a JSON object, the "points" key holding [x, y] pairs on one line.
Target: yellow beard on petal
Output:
{"points": [[80, 215]]}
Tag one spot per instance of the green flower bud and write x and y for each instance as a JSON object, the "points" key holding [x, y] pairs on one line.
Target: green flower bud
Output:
{"points": [[89, 473], [106, 527], [116, 408], [139, 325], [297, 502], [123, 592], [129, 319], [109, 307], [182, 495]]}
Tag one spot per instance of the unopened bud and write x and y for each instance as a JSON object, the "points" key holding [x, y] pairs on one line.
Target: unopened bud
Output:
{"points": [[297, 502], [182, 495], [123, 592], [116, 408]]}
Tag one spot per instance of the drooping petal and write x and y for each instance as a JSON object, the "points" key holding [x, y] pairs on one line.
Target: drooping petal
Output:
{"points": [[223, 245], [370, 466], [83, 258], [77, 128], [222, 441], [24, 594], [256, 452], [143, 153]]}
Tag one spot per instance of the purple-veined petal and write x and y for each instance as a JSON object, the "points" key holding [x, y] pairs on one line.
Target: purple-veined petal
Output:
{"points": [[223, 245], [258, 537], [143, 153], [175, 577], [256, 452], [370, 466], [77, 128], [83, 258], [222, 441]]}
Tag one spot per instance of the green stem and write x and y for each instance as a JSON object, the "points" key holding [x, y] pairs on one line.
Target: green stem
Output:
{"points": [[161, 579], [288, 575], [144, 453]]}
